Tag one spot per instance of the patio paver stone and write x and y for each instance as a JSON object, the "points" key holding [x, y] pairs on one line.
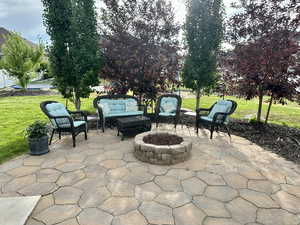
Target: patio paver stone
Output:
{"points": [[100, 182]]}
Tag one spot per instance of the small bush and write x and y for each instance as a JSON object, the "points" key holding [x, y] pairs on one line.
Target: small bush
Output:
{"points": [[37, 130]]}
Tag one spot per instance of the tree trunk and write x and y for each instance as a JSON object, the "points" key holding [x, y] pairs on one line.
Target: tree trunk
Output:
{"points": [[269, 109], [23, 83], [77, 104], [77, 101], [260, 101], [198, 95]]}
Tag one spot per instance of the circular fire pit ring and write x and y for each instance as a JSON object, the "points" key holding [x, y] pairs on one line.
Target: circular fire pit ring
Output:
{"points": [[161, 154]]}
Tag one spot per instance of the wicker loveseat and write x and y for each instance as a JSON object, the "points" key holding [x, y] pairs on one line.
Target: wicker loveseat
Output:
{"points": [[115, 106]]}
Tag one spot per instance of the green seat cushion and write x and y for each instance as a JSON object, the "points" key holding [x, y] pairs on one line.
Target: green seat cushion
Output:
{"points": [[76, 124], [136, 113], [167, 114], [208, 119]]}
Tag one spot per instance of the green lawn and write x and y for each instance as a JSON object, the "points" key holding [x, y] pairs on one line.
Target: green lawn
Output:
{"points": [[18, 112], [284, 115]]}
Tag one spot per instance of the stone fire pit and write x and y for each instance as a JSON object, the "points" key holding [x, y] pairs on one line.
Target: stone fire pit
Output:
{"points": [[161, 154]]}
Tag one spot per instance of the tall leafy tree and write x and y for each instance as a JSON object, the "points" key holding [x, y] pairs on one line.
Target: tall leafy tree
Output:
{"points": [[140, 47], [264, 59], [204, 33], [20, 59], [75, 51]]}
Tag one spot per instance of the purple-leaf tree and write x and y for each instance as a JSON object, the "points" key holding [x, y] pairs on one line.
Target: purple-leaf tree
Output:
{"points": [[140, 46], [263, 61]]}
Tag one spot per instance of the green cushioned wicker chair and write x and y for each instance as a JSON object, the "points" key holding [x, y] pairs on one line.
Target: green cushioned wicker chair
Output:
{"points": [[62, 121], [217, 115], [168, 106]]}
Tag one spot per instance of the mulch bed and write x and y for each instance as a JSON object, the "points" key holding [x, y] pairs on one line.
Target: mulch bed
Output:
{"points": [[163, 139], [11, 93], [282, 140]]}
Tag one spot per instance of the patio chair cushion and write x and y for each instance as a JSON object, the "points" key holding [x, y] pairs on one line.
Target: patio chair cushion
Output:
{"points": [[167, 114], [105, 108], [135, 113], [119, 107], [76, 124], [58, 109], [222, 106], [168, 105], [206, 118], [131, 105]]}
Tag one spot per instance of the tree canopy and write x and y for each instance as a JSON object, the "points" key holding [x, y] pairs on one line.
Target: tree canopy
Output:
{"points": [[20, 59], [75, 50], [140, 46], [204, 33], [264, 59]]}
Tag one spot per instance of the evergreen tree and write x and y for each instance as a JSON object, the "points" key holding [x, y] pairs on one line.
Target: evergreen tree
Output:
{"points": [[203, 33], [75, 51]]}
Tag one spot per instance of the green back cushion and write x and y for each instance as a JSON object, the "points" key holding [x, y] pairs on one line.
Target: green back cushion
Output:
{"points": [[131, 105], [168, 104], [58, 109], [222, 106], [113, 106]]}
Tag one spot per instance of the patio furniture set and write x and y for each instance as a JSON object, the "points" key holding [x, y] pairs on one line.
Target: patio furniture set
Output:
{"points": [[131, 117]]}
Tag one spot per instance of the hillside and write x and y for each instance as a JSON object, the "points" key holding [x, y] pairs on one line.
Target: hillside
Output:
{"points": [[3, 33]]}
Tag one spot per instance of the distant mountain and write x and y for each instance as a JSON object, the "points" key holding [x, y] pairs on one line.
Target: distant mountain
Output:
{"points": [[4, 33]]}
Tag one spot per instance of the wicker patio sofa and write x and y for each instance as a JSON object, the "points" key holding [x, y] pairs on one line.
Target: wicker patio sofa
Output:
{"points": [[115, 106]]}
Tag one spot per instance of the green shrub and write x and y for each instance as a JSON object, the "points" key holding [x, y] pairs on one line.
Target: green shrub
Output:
{"points": [[37, 130]]}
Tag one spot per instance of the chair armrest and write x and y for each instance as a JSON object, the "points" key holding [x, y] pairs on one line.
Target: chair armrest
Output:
{"points": [[203, 109], [142, 107], [63, 117], [199, 110], [83, 114], [220, 117], [100, 112]]}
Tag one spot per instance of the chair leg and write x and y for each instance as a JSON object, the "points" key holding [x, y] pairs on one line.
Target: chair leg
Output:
{"points": [[212, 131], [85, 134], [74, 140], [197, 127], [227, 131], [51, 136], [59, 135]]}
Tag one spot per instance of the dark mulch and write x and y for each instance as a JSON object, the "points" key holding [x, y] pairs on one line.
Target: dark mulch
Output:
{"points": [[163, 139], [11, 93], [282, 140]]}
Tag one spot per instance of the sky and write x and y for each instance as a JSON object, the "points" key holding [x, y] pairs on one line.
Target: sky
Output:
{"points": [[25, 17]]}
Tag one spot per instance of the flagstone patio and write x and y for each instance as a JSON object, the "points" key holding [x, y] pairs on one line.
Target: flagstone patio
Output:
{"points": [[100, 182]]}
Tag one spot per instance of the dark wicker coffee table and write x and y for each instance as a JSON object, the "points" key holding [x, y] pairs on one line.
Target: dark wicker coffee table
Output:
{"points": [[133, 125]]}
